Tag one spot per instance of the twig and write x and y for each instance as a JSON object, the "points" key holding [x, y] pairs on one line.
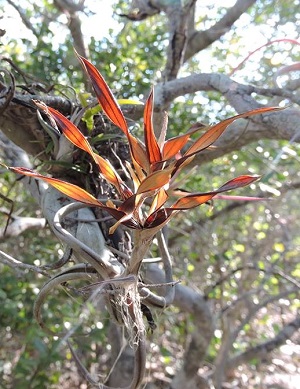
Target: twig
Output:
{"points": [[261, 349], [16, 264]]}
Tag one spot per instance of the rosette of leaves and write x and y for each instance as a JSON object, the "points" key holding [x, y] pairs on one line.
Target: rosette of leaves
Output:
{"points": [[145, 204]]}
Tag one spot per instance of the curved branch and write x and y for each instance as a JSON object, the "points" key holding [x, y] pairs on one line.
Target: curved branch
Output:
{"points": [[238, 95], [282, 125], [78, 272], [202, 39], [16, 264], [97, 260], [24, 18]]}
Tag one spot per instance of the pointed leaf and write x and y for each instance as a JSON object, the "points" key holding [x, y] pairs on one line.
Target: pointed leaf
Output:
{"points": [[217, 130], [81, 195], [75, 136], [163, 131], [124, 219], [192, 201], [181, 163], [105, 97], [173, 145], [71, 190], [159, 200], [71, 132], [129, 222], [159, 218], [128, 205], [155, 180], [138, 153], [111, 176], [151, 144], [134, 177], [237, 182]]}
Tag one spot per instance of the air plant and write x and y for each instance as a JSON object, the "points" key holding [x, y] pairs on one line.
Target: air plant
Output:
{"points": [[150, 200]]}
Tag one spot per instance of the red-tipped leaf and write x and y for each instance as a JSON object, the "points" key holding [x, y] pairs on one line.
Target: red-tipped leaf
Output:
{"points": [[158, 201], [71, 132], [152, 147], [159, 218], [192, 200], [79, 194], [173, 145], [155, 181], [237, 182], [217, 130], [138, 153], [71, 190], [75, 136], [104, 95], [195, 199]]}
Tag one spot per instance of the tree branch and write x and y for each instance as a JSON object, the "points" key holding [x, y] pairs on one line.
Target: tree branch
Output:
{"points": [[16, 264], [71, 9], [281, 125], [263, 349], [21, 224], [202, 39], [238, 95], [178, 17], [23, 17], [76, 33]]}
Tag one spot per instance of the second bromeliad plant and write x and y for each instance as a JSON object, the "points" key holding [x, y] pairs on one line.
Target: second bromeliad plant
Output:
{"points": [[145, 205]]}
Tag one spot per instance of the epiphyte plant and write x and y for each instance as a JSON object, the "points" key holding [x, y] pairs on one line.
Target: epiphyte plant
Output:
{"points": [[145, 203]]}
